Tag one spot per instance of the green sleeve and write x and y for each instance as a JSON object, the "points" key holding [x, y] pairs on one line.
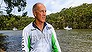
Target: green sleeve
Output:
{"points": [[29, 45], [54, 47]]}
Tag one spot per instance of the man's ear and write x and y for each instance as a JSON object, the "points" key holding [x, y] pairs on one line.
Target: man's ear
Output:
{"points": [[34, 13]]}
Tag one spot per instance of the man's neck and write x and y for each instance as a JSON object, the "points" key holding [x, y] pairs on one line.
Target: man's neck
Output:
{"points": [[40, 25]]}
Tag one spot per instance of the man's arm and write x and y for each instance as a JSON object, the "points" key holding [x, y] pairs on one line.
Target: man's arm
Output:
{"points": [[25, 41], [55, 44]]}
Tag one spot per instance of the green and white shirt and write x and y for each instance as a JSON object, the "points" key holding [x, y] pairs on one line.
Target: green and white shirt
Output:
{"points": [[34, 40]]}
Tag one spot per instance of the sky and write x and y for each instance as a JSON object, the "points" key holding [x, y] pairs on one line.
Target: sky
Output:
{"points": [[52, 6]]}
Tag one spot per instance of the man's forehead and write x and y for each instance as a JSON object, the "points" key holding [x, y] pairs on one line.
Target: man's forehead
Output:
{"points": [[40, 6]]}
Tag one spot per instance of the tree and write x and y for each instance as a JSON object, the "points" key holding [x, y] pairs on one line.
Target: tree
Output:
{"points": [[79, 17], [10, 4]]}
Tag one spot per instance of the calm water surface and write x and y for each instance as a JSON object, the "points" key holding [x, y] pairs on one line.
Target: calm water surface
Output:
{"points": [[13, 40], [70, 41]]}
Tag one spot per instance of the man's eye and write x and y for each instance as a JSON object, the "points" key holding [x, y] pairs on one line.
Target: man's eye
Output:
{"points": [[45, 10], [41, 11]]}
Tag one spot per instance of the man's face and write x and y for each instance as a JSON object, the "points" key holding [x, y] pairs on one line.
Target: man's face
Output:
{"points": [[40, 13]]}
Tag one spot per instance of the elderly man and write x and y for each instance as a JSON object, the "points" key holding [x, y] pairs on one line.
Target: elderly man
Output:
{"points": [[39, 36]]}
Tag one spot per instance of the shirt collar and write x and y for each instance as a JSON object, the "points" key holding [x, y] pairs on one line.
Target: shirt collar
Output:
{"points": [[37, 27]]}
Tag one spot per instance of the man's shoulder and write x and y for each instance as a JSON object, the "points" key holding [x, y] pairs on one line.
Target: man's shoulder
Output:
{"points": [[28, 27], [49, 25]]}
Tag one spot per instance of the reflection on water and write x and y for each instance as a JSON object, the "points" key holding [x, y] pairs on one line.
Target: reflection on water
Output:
{"points": [[13, 41], [3, 42], [70, 41]]}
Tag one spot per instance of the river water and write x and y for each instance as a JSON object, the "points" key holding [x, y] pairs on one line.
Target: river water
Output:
{"points": [[70, 41], [13, 40]]}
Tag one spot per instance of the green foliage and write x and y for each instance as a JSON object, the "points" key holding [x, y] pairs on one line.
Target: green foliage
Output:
{"points": [[77, 17], [10, 4], [8, 23]]}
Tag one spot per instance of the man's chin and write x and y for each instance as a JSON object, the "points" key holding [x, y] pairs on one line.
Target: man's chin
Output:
{"points": [[42, 21]]}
